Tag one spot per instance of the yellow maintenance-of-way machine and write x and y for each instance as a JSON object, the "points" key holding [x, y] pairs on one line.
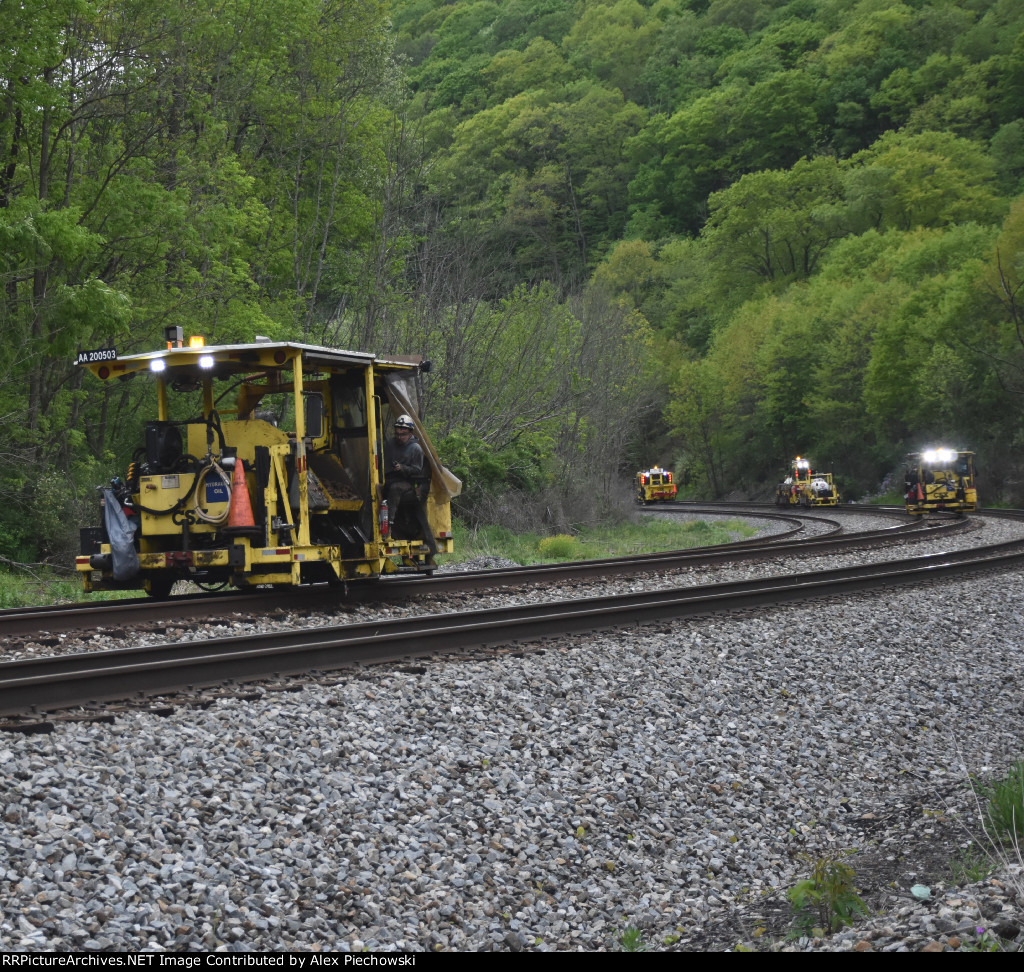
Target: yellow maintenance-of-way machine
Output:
{"points": [[654, 485], [806, 487], [264, 465], [940, 479]]}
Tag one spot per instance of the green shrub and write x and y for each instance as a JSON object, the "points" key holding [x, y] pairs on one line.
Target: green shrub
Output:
{"points": [[522, 465], [827, 900], [632, 940], [17, 546], [560, 547]]}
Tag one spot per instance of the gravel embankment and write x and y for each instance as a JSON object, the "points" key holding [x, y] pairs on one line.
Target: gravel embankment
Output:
{"points": [[673, 778]]}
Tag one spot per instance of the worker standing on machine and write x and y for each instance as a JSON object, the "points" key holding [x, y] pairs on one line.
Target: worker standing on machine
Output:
{"points": [[407, 477]]}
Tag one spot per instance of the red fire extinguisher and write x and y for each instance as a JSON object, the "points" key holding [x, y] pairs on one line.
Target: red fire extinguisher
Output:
{"points": [[385, 527]]}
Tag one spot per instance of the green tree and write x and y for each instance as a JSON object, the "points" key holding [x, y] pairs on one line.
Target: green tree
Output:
{"points": [[718, 138], [169, 164], [928, 179], [513, 72], [519, 22], [612, 42], [776, 225], [697, 414], [550, 172]]}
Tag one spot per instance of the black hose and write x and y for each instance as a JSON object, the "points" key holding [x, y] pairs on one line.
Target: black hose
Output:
{"points": [[213, 422]]}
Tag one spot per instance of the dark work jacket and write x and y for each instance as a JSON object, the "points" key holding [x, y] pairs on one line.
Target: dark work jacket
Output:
{"points": [[409, 458]]}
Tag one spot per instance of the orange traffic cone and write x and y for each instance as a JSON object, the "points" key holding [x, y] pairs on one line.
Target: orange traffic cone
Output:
{"points": [[240, 518]]}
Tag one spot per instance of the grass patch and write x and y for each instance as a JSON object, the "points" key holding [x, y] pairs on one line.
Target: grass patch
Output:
{"points": [[894, 498], [649, 535], [1000, 807], [889, 493], [617, 540], [972, 865], [1006, 804], [45, 586]]}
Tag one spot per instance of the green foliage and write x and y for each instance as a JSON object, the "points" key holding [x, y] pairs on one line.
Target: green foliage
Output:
{"points": [[827, 900], [1005, 811], [786, 212], [971, 866], [697, 413], [883, 342], [40, 586], [612, 42], [520, 465], [614, 539], [812, 194], [929, 179], [776, 225], [632, 940], [17, 539], [727, 90], [559, 547]]}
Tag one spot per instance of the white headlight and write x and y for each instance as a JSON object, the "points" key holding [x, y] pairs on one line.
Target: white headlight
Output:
{"points": [[206, 361], [158, 365]]}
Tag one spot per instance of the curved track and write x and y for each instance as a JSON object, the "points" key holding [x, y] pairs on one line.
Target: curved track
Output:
{"points": [[33, 686], [68, 617]]}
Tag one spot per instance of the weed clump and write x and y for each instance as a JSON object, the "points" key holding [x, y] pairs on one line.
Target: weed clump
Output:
{"points": [[632, 940], [559, 547], [1006, 804], [827, 900], [972, 865]]}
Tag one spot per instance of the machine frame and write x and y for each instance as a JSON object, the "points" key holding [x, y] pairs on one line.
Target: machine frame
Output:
{"points": [[654, 485], [805, 486], [940, 479], [315, 492]]}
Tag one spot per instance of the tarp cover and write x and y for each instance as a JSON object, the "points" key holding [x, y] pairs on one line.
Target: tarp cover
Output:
{"points": [[402, 398], [124, 558]]}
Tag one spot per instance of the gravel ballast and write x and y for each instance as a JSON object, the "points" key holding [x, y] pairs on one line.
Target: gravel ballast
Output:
{"points": [[673, 778]]}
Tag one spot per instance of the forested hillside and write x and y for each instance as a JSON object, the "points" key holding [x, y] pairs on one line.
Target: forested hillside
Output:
{"points": [[811, 204], [712, 234]]}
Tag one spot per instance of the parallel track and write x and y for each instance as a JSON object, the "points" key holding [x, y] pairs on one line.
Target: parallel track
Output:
{"points": [[30, 687], [70, 617]]}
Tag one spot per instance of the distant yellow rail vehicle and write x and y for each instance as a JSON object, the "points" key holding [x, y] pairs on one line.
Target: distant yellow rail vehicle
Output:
{"points": [[940, 479], [805, 486], [263, 464], [654, 485]]}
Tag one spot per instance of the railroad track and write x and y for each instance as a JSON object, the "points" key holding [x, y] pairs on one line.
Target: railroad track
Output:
{"points": [[32, 687], [55, 619]]}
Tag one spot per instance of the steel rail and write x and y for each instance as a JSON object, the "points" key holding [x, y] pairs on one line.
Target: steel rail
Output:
{"points": [[29, 619], [60, 618], [35, 685]]}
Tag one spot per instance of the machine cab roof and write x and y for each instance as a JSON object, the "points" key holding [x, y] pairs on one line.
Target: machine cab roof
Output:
{"points": [[218, 361]]}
